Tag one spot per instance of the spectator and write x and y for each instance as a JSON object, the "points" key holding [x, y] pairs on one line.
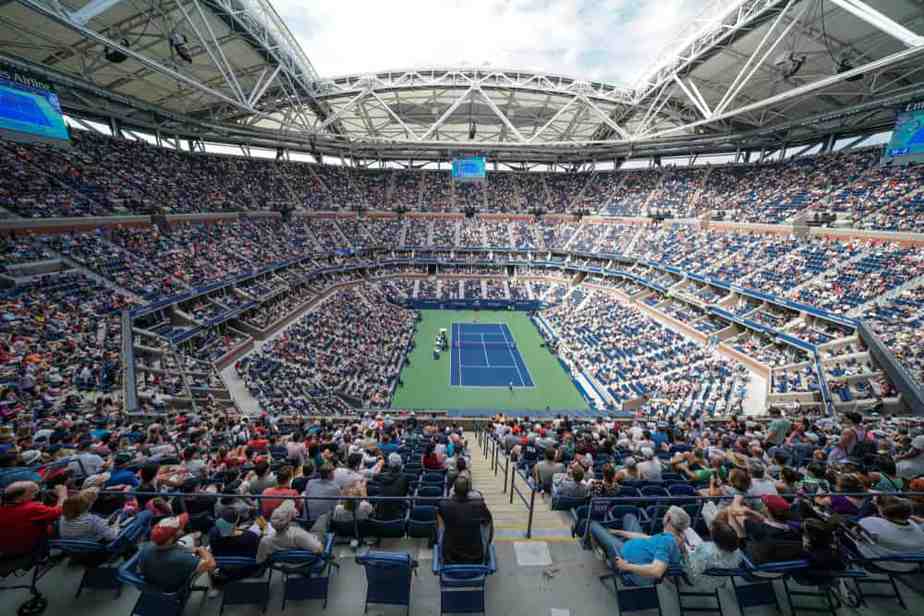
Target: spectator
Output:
{"points": [[23, 520], [230, 538], [467, 525], [287, 536], [350, 474], [606, 487], [571, 483], [165, 564], [393, 484], [78, 523], [282, 488], [642, 558], [893, 531], [545, 470], [911, 464], [324, 487], [720, 553], [649, 469]]}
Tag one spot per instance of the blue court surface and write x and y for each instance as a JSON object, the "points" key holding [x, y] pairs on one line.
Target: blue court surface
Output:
{"points": [[485, 355]]}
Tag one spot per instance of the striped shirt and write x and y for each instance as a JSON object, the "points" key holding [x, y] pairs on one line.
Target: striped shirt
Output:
{"points": [[87, 526]]}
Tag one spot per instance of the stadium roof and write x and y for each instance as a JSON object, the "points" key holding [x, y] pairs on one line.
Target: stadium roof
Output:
{"points": [[749, 74]]}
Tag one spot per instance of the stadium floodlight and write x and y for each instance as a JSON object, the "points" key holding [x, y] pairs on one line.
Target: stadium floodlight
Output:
{"points": [[114, 55], [844, 66]]}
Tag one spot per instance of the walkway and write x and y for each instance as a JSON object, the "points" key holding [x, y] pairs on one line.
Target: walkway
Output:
{"points": [[512, 519]]}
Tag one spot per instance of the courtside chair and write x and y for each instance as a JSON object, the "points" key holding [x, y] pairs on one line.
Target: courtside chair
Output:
{"points": [[462, 587], [421, 523], [251, 590], [153, 601], [99, 559], [305, 575], [388, 578]]}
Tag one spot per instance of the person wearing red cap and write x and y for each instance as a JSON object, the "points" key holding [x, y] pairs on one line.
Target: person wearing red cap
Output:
{"points": [[168, 566]]}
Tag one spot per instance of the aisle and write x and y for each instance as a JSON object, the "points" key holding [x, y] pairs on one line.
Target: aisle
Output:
{"points": [[511, 520]]}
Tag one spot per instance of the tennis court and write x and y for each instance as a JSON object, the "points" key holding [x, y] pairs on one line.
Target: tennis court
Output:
{"points": [[486, 355]]}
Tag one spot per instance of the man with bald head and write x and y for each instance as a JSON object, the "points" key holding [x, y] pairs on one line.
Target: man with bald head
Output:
{"points": [[23, 520]]}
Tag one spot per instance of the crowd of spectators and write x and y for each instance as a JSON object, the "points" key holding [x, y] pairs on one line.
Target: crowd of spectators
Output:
{"points": [[60, 337], [102, 175], [899, 322], [767, 487], [345, 345]]}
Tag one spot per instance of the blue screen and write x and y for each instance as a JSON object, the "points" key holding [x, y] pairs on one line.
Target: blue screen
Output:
{"points": [[28, 112], [468, 168], [908, 137]]}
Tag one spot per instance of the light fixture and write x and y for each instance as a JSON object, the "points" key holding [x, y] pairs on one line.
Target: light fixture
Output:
{"points": [[178, 43], [114, 55]]}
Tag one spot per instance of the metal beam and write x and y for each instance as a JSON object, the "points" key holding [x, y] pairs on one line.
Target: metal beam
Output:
{"points": [[446, 114], [92, 9], [63, 19], [759, 56], [605, 118], [864, 11], [394, 116], [807, 89], [500, 114], [700, 105], [554, 118], [261, 86]]}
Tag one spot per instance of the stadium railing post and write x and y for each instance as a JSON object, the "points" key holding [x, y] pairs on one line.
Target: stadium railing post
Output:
{"points": [[506, 470], [496, 463], [532, 504], [513, 478]]}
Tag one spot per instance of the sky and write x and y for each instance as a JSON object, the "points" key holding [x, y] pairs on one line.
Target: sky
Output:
{"points": [[609, 40]]}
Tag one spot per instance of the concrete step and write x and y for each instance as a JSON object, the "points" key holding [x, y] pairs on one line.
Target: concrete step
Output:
{"points": [[512, 519]]}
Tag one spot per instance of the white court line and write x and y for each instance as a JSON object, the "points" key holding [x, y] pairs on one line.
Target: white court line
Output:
{"points": [[458, 351], [457, 336], [512, 358], [484, 349]]}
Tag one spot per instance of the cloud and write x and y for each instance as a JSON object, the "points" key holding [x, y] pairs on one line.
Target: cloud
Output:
{"points": [[610, 40]]}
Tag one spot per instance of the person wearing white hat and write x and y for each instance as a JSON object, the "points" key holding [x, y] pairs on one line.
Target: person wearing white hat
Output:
{"points": [[285, 535]]}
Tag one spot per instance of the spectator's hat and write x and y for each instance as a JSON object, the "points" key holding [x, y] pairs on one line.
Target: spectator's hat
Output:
{"points": [[647, 453], [283, 515], [122, 458], [778, 506], [917, 485], [756, 466], [918, 442], [394, 460], [630, 462], [168, 528]]}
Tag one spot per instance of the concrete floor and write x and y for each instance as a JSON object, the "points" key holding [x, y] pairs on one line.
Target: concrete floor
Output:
{"points": [[568, 587]]}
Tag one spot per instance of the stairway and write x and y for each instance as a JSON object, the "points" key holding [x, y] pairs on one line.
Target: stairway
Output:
{"points": [[511, 520]]}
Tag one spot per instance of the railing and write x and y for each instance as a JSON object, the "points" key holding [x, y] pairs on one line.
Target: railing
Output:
{"points": [[492, 450]]}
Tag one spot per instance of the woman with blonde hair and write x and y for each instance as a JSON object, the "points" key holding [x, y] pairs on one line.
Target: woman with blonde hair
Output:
{"points": [[78, 523]]}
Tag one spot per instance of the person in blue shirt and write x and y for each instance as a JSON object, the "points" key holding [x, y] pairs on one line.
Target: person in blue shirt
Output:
{"points": [[120, 475], [659, 436], [644, 559], [388, 445]]}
